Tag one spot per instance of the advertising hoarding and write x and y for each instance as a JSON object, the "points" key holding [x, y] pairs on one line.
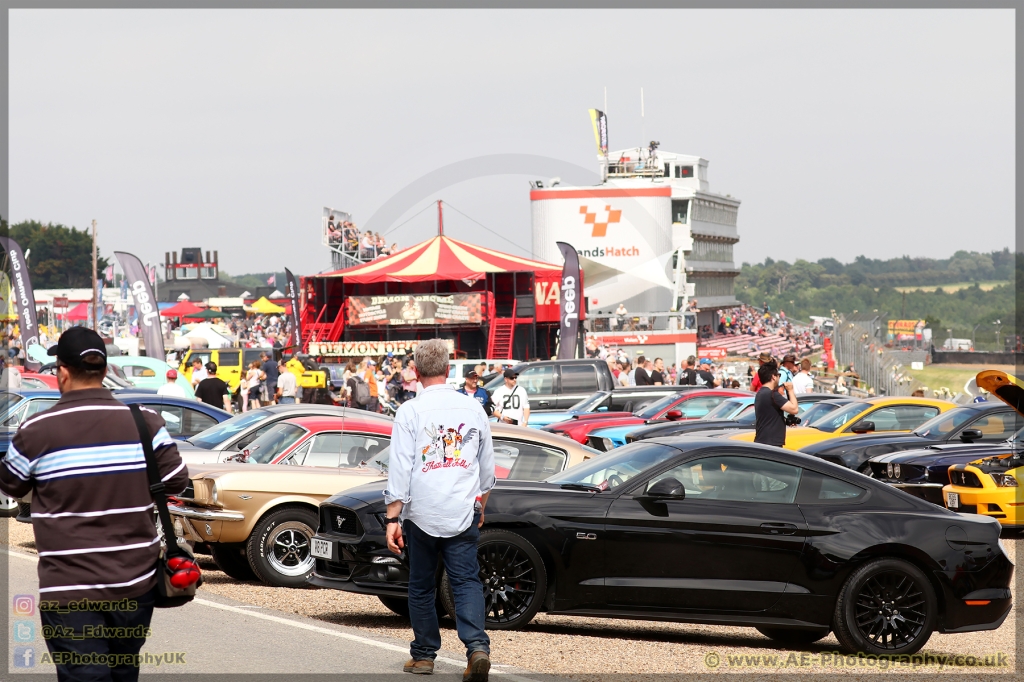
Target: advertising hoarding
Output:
{"points": [[415, 309]]}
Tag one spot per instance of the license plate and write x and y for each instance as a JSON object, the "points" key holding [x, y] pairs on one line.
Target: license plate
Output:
{"points": [[952, 500], [322, 549]]}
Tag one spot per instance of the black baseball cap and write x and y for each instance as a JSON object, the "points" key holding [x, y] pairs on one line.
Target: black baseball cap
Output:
{"points": [[80, 347], [511, 374], [471, 374]]}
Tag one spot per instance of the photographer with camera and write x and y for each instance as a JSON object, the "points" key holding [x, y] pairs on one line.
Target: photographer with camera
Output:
{"points": [[770, 407]]}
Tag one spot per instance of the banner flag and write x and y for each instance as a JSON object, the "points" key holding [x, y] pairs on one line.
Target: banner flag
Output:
{"points": [[145, 303], [293, 296], [600, 122], [21, 292], [572, 300]]}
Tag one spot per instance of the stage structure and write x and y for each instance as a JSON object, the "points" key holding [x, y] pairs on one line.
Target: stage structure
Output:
{"points": [[488, 304]]}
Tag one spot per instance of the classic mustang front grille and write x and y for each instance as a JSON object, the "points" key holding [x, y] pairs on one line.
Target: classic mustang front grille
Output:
{"points": [[190, 491], [966, 479], [340, 520]]}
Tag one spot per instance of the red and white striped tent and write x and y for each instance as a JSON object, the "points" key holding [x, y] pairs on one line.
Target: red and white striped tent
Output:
{"points": [[442, 258]]}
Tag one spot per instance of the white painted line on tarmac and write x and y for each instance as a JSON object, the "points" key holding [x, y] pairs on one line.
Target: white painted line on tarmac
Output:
{"points": [[307, 626]]}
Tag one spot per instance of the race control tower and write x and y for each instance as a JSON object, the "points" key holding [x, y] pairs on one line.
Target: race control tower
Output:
{"points": [[650, 236]]}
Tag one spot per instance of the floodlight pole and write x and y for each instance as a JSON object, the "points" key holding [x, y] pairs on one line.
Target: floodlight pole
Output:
{"points": [[95, 322]]}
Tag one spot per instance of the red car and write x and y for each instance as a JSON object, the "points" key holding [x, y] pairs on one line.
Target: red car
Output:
{"points": [[320, 441], [324, 442], [687, 405], [34, 380]]}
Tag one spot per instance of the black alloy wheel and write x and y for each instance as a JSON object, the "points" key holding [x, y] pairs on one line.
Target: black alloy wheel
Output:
{"points": [[514, 580], [887, 606], [232, 559]]}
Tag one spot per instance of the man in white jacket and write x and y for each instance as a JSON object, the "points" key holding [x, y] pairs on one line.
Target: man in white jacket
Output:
{"points": [[439, 478]]}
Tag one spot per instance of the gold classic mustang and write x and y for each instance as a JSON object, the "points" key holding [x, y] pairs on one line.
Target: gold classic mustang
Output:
{"points": [[257, 519]]}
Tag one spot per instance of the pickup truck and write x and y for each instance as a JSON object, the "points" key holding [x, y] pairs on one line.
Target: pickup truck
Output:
{"points": [[560, 384]]}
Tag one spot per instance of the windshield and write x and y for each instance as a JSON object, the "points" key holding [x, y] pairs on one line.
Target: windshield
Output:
{"points": [[812, 412], [836, 420], [657, 407], [9, 400], [590, 403], [215, 435], [276, 440], [611, 469], [1017, 437], [943, 425], [746, 416], [725, 410]]}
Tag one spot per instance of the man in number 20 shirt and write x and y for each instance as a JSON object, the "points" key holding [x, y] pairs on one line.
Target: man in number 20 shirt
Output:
{"points": [[511, 404]]}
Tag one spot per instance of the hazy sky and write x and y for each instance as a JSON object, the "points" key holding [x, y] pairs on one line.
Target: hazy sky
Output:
{"points": [[843, 132]]}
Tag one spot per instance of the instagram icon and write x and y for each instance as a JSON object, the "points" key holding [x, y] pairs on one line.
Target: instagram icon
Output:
{"points": [[24, 605]]}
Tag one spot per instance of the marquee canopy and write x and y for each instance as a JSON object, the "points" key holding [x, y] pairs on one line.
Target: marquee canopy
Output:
{"points": [[441, 258]]}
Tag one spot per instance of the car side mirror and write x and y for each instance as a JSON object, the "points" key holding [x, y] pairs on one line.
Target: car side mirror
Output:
{"points": [[666, 489], [863, 427], [673, 415], [971, 435]]}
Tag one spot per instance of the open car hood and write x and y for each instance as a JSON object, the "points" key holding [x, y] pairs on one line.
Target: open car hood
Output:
{"points": [[1006, 387]]}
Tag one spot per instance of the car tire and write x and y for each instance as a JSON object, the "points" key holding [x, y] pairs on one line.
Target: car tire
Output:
{"points": [[794, 636], [885, 585], [514, 577], [232, 559], [278, 548], [396, 605], [24, 512]]}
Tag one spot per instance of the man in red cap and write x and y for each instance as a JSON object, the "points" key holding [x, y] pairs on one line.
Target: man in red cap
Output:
{"points": [[171, 387]]}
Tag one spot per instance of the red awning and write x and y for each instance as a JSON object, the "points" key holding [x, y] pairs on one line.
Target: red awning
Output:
{"points": [[441, 258], [182, 309], [79, 312]]}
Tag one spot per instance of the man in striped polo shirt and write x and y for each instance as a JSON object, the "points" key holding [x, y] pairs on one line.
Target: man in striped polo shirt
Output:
{"points": [[92, 514]]}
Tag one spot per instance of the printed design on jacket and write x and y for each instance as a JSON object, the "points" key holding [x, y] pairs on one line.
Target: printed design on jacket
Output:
{"points": [[445, 445]]}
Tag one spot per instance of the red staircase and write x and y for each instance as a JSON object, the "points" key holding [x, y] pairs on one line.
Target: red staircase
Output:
{"points": [[499, 341]]}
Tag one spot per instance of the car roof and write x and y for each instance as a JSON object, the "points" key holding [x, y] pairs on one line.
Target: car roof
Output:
{"points": [[903, 400], [324, 409], [328, 423]]}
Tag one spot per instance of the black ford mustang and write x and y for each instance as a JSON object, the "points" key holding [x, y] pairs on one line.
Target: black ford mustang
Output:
{"points": [[706, 531], [989, 422], [923, 472]]}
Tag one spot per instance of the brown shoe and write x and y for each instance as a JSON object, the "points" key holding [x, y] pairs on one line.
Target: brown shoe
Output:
{"points": [[425, 667], [479, 666]]}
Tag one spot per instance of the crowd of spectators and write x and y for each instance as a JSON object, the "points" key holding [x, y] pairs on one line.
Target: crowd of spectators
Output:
{"points": [[360, 244], [762, 323]]}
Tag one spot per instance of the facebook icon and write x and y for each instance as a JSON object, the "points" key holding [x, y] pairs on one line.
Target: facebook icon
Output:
{"points": [[24, 657]]}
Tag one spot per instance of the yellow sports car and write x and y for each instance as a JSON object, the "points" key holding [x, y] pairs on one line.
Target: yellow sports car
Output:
{"points": [[989, 485], [873, 415]]}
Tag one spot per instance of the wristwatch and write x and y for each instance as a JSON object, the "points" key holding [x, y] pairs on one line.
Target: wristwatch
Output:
{"points": [[389, 521]]}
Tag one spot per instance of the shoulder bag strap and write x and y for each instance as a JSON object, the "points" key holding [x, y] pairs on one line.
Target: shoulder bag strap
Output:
{"points": [[156, 486]]}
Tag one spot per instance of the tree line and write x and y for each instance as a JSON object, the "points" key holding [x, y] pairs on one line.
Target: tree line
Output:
{"points": [[803, 289]]}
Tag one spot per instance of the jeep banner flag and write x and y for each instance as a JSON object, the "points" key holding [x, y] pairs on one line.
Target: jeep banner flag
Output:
{"points": [[145, 303], [600, 122], [293, 296], [21, 293], [572, 301], [418, 309]]}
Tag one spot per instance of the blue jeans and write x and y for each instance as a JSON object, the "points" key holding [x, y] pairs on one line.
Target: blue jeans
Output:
{"points": [[286, 400], [70, 625], [459, 556]]}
